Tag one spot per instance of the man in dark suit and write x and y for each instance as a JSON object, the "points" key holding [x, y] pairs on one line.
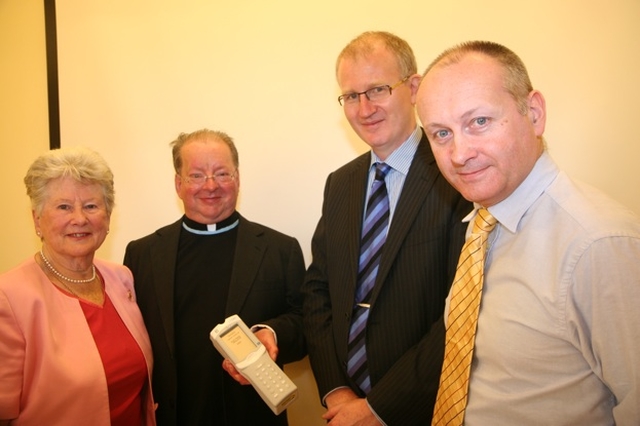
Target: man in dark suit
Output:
{"points": [[192, 274], [397, 382]]}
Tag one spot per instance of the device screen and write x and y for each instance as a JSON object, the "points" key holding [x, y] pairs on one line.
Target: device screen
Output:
{"points": [[239, 344]]}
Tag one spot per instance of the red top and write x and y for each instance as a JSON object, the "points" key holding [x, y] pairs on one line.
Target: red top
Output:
{"points": [[123, 361]]}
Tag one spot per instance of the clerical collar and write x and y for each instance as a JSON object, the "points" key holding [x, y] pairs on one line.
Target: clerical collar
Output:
{"points": [[213, 228]]}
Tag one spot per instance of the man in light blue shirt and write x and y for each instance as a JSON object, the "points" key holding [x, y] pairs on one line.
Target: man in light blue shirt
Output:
{"points": [[558, 333]]}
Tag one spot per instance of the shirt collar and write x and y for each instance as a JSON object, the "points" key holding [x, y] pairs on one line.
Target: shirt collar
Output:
{"points": [[400, 159], [211, 228], [510, 211]]}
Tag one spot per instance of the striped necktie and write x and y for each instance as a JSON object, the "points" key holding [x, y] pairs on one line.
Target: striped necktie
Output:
{"points": [[462, 321], [374, 234]]}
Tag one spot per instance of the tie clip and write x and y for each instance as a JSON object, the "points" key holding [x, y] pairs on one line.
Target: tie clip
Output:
{"points": [[364, 305]]}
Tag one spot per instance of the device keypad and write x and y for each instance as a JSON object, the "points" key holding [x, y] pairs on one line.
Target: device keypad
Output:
{"points": [[272, 379]]}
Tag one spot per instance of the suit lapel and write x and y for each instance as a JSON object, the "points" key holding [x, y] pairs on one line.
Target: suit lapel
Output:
{"points": [[421, 177], [163, 266], [250, 249], [356, 206], [341, 227], [120, 296], [351, 227]]}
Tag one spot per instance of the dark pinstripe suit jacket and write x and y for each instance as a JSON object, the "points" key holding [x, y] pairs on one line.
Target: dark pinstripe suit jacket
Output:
{"points": [[417, 266], [267, 273]]}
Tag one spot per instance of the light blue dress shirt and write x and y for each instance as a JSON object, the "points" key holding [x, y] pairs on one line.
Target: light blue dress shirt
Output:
{"points": [[400, 162], [558, 339]]}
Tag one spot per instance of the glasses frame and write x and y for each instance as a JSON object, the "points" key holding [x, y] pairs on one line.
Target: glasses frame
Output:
{"points": [[215, 177], [341, 98]]}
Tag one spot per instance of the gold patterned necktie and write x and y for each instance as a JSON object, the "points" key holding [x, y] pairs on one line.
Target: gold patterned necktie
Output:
{"points": [[462, 321]]}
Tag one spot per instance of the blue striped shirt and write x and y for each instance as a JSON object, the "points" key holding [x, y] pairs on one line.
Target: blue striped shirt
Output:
{"points": [[400, 161]]}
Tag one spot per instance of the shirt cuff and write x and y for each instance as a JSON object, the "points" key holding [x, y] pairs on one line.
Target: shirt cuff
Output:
{"points": [[257, 327], [324, 398]]}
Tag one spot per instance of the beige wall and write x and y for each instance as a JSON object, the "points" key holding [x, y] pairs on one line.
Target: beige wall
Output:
{"points": [[135, 74], [24, 131]]}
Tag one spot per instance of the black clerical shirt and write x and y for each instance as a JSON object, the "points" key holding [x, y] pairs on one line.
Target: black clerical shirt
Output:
{"points": [[203, 273]]}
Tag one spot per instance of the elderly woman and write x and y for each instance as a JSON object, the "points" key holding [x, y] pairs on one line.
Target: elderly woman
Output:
{"points": [[73, 347]]}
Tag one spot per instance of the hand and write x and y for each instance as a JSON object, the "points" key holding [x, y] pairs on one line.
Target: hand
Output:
{"points": [[345, 408], [350, 412], [229, 368], [268, 340], [340, 396]]}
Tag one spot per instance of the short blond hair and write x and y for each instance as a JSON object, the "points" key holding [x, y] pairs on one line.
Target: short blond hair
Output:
{"points": [[366, 43], [78, 163]]}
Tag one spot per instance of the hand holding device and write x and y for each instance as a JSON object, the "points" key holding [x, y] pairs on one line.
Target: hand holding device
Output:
{"points": [[237, 343]]}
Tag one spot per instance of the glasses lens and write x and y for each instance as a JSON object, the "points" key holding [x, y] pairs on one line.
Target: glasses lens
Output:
{"points": [[378, 93], [196, 179], [350, 98], [224, 177]]}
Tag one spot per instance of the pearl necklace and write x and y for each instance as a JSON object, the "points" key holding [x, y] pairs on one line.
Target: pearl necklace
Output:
{"points": [[71, 280]]}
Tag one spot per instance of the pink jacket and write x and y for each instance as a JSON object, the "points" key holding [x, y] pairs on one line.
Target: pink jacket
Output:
{"points": [[50, 370]]}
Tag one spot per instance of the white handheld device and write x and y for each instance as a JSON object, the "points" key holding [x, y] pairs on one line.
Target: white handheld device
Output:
{"points": [[238, 344]]}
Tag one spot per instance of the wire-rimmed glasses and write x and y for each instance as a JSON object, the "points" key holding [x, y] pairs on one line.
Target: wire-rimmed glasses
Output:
{"points": [[221, 178], [375, 94]]}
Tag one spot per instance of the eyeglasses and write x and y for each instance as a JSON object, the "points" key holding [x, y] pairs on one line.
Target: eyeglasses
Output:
{"points": [[375, 94], [221, 178]]}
